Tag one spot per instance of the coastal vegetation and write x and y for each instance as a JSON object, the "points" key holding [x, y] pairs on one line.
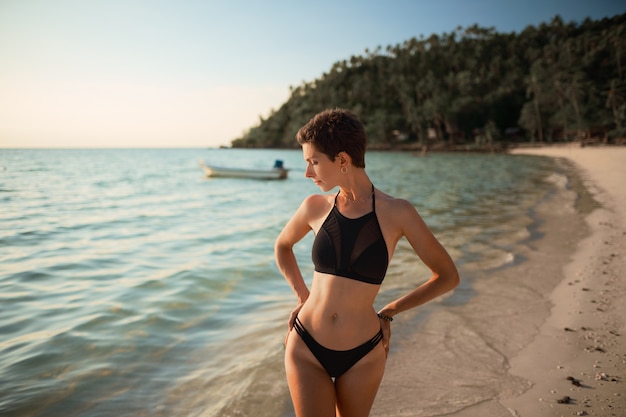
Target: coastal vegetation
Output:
{"points": [[473, 88]]}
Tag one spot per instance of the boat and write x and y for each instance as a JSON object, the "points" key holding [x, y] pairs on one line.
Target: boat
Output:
{"points": [[276, 173]]}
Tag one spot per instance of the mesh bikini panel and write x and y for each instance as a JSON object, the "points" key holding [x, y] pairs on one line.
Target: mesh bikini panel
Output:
{"points": [[369, 258], [351, 248]]}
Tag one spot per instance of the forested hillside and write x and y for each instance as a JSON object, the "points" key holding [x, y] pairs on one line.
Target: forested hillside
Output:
{"points": [[473, 87]]}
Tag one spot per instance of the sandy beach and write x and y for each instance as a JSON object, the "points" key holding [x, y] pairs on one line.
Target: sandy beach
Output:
{"points": [[550, 344], [579, 355]]}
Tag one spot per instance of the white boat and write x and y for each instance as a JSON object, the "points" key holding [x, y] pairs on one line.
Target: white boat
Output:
{"points": [[276, 173]]}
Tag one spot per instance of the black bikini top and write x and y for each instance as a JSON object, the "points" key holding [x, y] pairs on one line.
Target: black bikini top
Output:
{"points": [[351, 248]]}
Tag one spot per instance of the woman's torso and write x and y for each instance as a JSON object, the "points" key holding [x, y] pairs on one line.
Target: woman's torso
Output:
{"points": [[339, 312]]}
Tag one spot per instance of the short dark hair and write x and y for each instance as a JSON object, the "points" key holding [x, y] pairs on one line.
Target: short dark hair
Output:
{"points": [[333, 131]]}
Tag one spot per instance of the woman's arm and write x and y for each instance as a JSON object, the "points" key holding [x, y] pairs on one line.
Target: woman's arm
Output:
{"points": [[444, 277], [295, 229]]}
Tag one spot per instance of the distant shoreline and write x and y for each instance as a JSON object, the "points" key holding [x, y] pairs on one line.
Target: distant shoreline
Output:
{"points": [[497, 147]]}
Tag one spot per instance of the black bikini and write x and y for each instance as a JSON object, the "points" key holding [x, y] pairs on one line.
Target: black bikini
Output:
{"points": [[353, 249], [336, 362]]}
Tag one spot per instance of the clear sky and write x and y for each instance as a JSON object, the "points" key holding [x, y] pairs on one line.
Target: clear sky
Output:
{"points": [[198, 73]]}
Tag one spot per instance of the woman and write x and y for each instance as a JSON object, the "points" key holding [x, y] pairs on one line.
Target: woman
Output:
{"points": [[336, 356]]}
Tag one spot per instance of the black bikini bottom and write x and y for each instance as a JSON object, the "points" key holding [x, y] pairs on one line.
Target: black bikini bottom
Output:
{"points": [[336, 362]]}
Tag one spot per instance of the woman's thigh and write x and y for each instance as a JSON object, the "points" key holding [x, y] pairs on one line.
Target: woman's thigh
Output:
{"points": [[312, 391], [356, 389]]}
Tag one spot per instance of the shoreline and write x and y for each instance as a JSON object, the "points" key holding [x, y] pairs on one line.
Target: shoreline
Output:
{"points": [[511, 349], [579, 355]]}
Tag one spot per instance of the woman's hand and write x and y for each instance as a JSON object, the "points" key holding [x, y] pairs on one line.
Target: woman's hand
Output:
{"points": [[292, 318], [385, 325], [294, 314]]}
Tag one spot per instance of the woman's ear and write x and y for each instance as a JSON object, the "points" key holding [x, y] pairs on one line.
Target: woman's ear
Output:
{"points": [[344, 158]]}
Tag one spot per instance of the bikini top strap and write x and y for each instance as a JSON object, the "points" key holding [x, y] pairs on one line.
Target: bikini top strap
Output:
{"points": [[373, 199]]}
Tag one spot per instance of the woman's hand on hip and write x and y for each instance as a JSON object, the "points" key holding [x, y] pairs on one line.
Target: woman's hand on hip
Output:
{"points": [[292, 318], [385, 325]]}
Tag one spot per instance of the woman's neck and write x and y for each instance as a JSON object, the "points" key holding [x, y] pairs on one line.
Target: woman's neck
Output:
{"points": [[358, 189]]}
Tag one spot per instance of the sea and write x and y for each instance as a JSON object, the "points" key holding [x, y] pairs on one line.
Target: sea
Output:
{"points": [[132, 285]]}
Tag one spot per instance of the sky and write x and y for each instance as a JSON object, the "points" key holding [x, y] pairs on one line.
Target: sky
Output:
{"points": [[192, 73]]}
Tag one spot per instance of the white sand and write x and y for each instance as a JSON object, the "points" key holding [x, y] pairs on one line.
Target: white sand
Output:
{"points": [[510, 350], [590, 303]]}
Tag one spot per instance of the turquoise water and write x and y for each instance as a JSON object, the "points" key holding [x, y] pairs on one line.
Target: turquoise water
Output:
{"points": [[130, 284]]}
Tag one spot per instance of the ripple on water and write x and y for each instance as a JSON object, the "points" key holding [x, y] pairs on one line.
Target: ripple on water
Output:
{"points": [[129, 281]]}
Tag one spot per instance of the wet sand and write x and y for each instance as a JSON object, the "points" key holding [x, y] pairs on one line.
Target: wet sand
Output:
{"points": [[550, 344]]}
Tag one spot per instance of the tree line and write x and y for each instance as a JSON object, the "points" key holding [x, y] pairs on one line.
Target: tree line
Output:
{"points": [[473, 87]]}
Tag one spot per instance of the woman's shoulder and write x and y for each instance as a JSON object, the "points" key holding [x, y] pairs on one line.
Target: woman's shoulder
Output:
{"points": [[319, 199], [398, 209], [399, 214], [391, 203], [315, 204]]}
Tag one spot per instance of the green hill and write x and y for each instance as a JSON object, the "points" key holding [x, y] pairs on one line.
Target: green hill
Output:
{"points": [[472, 88]]}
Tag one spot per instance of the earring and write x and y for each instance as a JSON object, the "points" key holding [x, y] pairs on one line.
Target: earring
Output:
{"points": [[344, 170]]}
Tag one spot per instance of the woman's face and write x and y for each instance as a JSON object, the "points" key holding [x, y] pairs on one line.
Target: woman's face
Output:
{"points": [[324, 172]]}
